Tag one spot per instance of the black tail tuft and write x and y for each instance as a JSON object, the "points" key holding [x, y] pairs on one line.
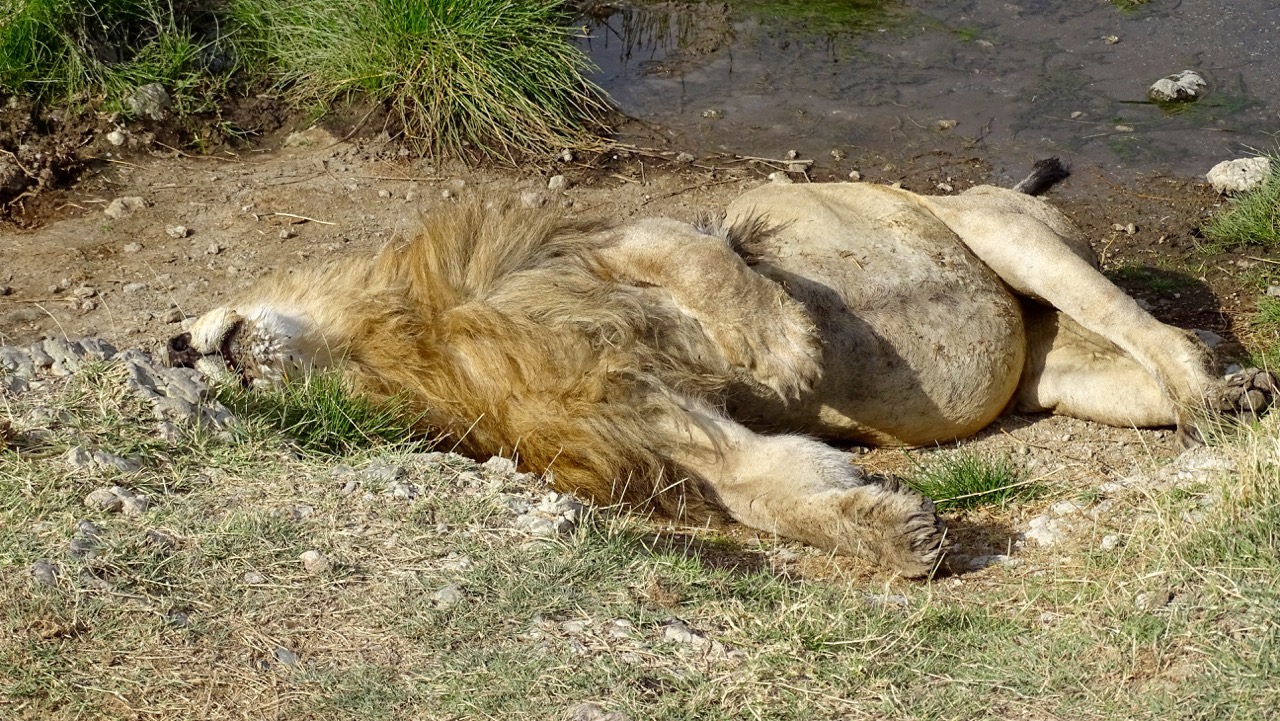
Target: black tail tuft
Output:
{"points": [[1044, 175]]}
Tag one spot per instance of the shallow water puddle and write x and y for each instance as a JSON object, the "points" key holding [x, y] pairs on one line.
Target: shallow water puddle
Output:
{"points": [[1020, 79]]}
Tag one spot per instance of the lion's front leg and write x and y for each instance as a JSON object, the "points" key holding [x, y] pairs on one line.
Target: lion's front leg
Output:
{"points": [[805, 490], [754, 324]]}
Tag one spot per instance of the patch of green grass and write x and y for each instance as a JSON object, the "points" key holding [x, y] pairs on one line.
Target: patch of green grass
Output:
{"points": [[494, 75], [1251, 219], [1178, 622], [1129, 5], [966, 481], [99, 53], [488, 76], [321, 415]]}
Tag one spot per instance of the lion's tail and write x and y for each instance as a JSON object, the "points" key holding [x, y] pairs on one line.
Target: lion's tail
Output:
{"points": [[1044, 175]]}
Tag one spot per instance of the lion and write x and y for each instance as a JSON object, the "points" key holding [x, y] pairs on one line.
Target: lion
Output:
{"points": [[704, 372]]}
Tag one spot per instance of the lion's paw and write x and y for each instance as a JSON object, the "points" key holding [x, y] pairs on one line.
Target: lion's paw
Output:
{"points": [[780, 350], [1249, 393], [894, 527]]}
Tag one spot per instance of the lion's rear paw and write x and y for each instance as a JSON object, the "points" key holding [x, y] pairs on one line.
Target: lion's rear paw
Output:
{"points": [[1249, 393]]}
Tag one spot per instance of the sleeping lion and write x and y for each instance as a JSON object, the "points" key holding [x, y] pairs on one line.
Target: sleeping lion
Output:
{"points": [[657, 364]]}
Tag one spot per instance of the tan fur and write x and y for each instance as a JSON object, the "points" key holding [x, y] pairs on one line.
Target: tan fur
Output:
{"points": [[606, 355], [497, 323]]}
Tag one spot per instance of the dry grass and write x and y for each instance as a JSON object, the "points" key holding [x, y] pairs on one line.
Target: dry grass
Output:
{"points": [[161, 620]]}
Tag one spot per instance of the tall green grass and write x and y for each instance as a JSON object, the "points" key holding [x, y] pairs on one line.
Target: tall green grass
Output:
{"points": [[1252, 219], [322, 416], [498, 76], [97, 53], [967, 481]]}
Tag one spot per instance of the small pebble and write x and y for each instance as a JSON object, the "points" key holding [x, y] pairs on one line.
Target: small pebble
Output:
{"points": [[173, 315], [855, 175], [566, 155], [314, 562], [104, 499], [557, 183], [287, 233], [254, 578], [132, 247], [45, 573], [213, 249], [448, 596], [285, 656], [177, 231], [685, 158], [384, 193], [946, 124]]}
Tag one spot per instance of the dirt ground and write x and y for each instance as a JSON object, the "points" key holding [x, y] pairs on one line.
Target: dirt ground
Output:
{"points": [[70, 269]]}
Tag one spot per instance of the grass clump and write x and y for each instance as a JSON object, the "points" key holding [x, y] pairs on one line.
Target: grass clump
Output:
{"points": [[489, 76], [1252, 219], [967, 481], [98, 53], [499, 76], [322, 416]]}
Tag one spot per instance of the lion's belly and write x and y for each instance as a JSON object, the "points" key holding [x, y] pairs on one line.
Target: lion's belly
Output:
{"points": [[923, 342]]}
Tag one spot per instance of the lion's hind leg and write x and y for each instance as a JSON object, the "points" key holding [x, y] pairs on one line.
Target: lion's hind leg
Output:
{"points": [[1035, 251], [799, 488], [1072, 371]]}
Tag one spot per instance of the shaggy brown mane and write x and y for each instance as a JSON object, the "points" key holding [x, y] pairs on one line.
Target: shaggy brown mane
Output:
{"points": [[496, 321]]}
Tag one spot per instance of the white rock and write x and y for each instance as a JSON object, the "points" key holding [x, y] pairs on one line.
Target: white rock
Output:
{"points": [[177, 231], [124, 207], [151, 100], [499, 465], [557, 183], [116, 137], [104, 499], [1208, 337], [1240, 175], [679, 632], [1109, 542], [448, 596], [314, 562], [780, 178], [132, 247], [1186, 85], [685, 158], [1065, 508], [855, 176]]}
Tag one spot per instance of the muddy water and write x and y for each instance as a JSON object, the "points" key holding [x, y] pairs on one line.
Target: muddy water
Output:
{"points": [[1020, 79]]}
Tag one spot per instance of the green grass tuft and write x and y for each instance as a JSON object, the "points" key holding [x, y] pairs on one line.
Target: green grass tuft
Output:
{"points": [[499, 76], [1251, 219], [98, 53], [489, 76], [967, 481], [323, 416]]}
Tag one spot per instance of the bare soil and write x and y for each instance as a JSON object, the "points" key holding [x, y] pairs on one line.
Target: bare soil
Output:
{"points": [[71, 270]]}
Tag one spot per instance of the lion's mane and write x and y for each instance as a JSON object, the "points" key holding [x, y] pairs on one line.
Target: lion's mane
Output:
{"points": [[511, 339]]}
